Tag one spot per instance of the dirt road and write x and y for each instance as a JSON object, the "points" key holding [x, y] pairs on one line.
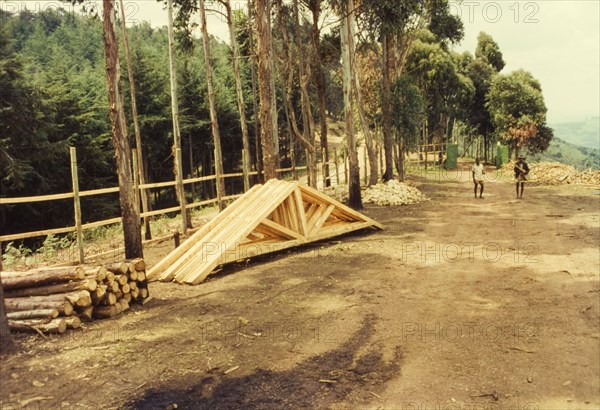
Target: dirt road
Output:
{"points": [[460, 303]]}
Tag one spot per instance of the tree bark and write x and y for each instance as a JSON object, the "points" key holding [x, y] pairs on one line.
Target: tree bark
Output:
{"points": [[212, 108], [45, 326], [257, 131], [388, 139], [263, 35], [17, 280], [315, 8], [355, 200], [369, 141], [136, 127], [178, 170], [307, 120], [33, 314], [86, 284], [127, 197], [64, 307], [240, 95]]}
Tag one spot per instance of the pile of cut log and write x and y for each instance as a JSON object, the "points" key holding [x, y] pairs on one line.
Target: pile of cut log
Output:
{"points": [[52, 300], [393, 193], [555, 173]]}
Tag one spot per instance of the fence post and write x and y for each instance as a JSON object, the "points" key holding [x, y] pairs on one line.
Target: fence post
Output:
{"points": [[337, 167], [77, 203], [345, 168], [181, 191], [293, 159], [308, 166], [136, 182], [365, 165], [245, 170]]}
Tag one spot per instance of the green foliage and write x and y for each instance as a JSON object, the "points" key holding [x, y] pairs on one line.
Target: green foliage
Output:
{"points": [[408, 110], [21, 254], [518, 111], [489, 51], [13, 254], [437, 72], [383, 17], [54, 95], [478, 116]]}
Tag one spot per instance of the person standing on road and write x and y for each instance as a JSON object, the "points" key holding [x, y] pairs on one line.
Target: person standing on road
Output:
{"points": [[478, 173], [521, 171]]}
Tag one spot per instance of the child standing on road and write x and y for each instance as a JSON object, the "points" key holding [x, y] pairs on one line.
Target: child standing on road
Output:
{"points": [[478, 173]]}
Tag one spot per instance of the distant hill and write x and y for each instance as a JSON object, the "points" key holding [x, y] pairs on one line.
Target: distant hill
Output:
{"points": [[580, 157], [585, 133]]}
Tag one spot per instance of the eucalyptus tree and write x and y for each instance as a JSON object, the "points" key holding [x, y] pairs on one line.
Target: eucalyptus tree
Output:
{"points": [[395, 24], [518, 111], [218, 156], [347, 11]]}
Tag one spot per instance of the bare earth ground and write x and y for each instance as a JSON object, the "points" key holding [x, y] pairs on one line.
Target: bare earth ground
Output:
{"points": [[460, 303]]}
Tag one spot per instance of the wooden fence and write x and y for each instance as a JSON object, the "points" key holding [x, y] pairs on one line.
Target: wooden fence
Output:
{"points": [[76, 195]]}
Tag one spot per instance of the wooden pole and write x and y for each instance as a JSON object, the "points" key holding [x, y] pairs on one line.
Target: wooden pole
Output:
{"points": [[345, 159], [354, 194], [77, 204], [337, 166], [324, 168], [136, 126], [267, 119], [212, 105], [175, 115], [253, 61], [365, 165], [293, 153], [308, 174], [240, 96]]}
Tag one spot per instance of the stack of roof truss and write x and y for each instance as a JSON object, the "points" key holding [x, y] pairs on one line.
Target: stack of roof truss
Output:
{"points": [[267, 218]]}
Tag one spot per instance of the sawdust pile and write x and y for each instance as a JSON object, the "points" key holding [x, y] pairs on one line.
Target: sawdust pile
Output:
{"points": [[555, 173], [393, 193]]}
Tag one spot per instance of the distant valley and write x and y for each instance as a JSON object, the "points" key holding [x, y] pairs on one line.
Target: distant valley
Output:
{"points": [[585, 133], [575, 143]]}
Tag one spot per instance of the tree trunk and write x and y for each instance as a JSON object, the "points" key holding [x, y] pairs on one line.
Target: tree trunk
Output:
{"points": [[263, 34], [274, 116], [401, 161], [315, 8], [85, 284], [307, 121], [178, 169], [44, 276], [240, 96], [33, 314], [136, 127], [304, 137], [253, 65], [355, 200], [388, 139], [127, 197], [212, 108], [369, 141], [43, 325]]}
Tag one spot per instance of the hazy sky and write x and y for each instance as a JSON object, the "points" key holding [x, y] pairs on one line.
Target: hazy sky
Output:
{"points": [[557, 41]]}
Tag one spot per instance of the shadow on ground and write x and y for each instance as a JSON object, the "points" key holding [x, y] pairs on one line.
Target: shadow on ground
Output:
{"points": [[353, 369]]}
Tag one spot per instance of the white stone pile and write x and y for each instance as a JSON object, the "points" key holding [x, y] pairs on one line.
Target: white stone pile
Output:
{"points": [[393, 193]]}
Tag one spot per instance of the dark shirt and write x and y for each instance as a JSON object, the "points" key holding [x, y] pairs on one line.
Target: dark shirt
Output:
{"points": [[524, 166]]}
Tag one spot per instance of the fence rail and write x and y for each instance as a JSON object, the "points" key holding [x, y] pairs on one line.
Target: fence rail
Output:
{"points": [[76, 195]]}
